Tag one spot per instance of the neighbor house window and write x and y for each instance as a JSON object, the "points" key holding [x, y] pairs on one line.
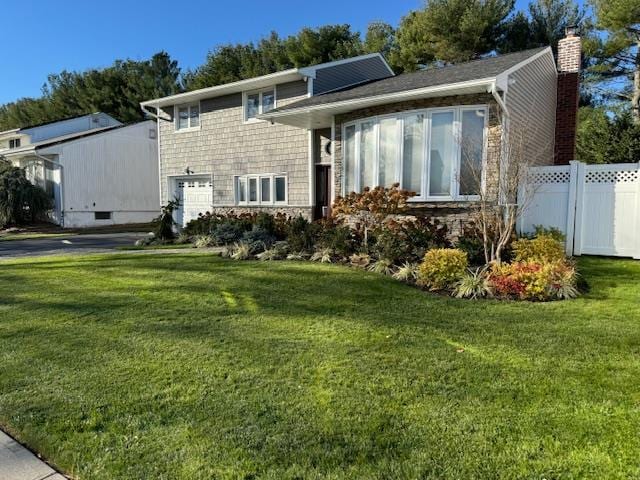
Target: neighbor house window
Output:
{"points": [[258, 102], [14, 143], [187, 116], [437, 153], [102, 215], [267, 189]]}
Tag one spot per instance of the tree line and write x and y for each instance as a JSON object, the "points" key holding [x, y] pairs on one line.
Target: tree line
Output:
{"points": [[441, 32]]}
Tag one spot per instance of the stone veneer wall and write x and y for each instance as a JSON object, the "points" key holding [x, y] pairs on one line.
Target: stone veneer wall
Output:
{"points": [[225, 146], [455, 214]]}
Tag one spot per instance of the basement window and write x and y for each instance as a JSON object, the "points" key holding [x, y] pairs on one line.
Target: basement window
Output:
{"points": [[102, 215]]}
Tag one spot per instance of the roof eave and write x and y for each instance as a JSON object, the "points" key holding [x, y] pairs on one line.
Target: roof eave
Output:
{"points": [[225, 89], [319, 116]]}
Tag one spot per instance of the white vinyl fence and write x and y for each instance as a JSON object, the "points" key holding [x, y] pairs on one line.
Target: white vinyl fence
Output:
{"points": [[596, 206]]}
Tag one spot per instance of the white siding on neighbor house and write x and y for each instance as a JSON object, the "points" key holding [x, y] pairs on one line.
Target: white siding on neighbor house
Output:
{"points": [[115, 171], [66, 127], [531, 101]]}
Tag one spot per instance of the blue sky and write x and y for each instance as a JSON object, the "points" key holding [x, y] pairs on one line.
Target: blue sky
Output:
{"points": [[49, 36]]}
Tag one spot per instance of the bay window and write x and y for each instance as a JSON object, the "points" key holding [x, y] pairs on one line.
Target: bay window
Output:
{"points": [[263, 189], [437, 153]]}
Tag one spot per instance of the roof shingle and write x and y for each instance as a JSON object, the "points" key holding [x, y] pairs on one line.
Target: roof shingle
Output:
{"points": [[462, 72]]}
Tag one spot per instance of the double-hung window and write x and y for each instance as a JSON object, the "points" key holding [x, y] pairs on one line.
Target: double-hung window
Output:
{"points": [[437, 153], [187, 116], [258, 102], [264, 189], [14, 143]]}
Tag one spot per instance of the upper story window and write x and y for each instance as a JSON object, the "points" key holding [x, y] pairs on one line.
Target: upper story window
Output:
{"points": [[187, 116], [14, 143], [258, 102], [437, 153]]}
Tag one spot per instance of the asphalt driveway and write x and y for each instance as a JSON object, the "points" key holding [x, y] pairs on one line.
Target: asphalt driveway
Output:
{"points": [[92, 243]]}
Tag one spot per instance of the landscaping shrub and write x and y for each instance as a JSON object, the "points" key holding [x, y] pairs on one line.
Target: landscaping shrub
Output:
{"points": [[20, 200], [301, 235], [164, 224], [442, 268], [543, 249], [338, 238], [408, 239], [471, 242], [258, 239], [531, 280], [228, 232], [552, 232]]}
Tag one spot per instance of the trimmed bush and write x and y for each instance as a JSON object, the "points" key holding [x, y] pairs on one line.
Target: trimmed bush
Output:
{"points": [[534, 280], [301, 235], [227, 233], [258, 239], [542, 249], [441, 268]]}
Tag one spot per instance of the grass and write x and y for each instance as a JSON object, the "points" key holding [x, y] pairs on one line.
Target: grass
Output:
{"points": [[7, 237], [197, 367]]}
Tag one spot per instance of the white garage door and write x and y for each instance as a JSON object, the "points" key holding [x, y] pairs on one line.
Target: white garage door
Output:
{"points": [[196, 196]]}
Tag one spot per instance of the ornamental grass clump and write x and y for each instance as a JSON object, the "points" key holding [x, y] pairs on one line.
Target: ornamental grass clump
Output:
{"points": [[473, 284], [441, 268]]}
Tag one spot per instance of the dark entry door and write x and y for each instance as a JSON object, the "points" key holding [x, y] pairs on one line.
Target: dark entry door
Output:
{"points": [[323, 191]]}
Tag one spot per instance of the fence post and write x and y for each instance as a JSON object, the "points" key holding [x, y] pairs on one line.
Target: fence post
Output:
{"points": [[636, 254], [571, 206], [579, 205]]}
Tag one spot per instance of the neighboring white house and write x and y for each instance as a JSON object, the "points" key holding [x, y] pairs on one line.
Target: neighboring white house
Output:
{"points": [[97, 170]]}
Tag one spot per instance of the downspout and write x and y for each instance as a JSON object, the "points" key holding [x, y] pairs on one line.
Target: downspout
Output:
{"points": [[505, 111], [61, 168]]}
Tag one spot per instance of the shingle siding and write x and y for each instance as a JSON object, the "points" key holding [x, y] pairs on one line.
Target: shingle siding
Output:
{"points": [[226, 146], [350, 73], [531, 100]]}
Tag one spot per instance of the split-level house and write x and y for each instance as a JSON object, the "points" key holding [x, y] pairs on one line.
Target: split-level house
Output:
{"points": [[294, 140], [97, 170]]}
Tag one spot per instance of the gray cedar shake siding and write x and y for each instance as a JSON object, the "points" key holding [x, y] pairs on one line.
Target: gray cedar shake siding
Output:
{"points": [[531, 100], [226, 146]]}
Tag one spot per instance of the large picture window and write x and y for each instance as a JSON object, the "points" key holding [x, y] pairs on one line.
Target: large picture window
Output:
{"points": [[437, 153]]}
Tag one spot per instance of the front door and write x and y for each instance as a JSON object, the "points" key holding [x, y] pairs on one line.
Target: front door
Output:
{"points": [[323, 191]]}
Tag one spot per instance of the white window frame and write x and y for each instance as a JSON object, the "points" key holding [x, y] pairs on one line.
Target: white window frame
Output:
{"points": [[259, 177], [14, 143], [260, 92], [426, 160], [176, 116]]}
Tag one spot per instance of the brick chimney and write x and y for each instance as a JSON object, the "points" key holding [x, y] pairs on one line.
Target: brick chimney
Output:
{"points": [[569, 60]]}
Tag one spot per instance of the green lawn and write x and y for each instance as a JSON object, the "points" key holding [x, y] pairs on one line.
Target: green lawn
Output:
{"points": [[196, 367]]}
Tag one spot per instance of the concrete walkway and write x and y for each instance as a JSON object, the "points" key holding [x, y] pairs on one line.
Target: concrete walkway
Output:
{"points": [[18, 463]]}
